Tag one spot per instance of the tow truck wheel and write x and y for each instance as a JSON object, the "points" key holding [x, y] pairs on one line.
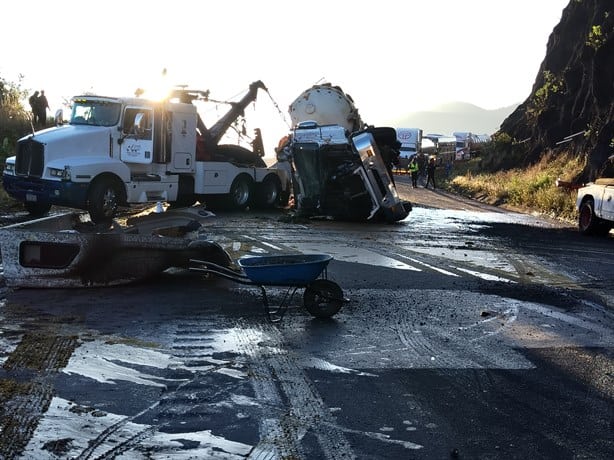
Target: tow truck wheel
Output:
{"points": [[240, 193], [269, 192], [185, 194], [323, 298], [37, 209], [103, 201]]}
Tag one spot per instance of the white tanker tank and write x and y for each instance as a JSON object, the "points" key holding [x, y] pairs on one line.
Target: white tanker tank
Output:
{"points": [[326, 105]]}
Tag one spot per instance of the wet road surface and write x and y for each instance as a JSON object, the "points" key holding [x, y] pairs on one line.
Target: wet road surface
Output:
{"points": [[469, 332]]}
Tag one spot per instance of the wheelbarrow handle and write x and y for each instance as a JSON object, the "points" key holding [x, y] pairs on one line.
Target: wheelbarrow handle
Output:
{"points": [[210, 267]]}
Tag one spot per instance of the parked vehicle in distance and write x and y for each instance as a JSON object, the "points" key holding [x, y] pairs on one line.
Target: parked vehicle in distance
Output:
{"points": [[411, 141], [595, 205], [444, 148], [469, 144]]}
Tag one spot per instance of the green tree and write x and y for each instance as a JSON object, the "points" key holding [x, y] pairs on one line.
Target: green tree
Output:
{"points": [[14, 118]]}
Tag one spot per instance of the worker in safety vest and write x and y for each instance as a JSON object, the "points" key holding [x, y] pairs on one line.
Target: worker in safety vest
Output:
{"points": [[413, 170]]}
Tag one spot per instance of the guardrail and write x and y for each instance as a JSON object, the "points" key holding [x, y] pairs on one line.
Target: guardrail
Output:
{"points": [[570, 137]]}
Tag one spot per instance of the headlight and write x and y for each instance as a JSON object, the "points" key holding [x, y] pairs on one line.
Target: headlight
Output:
{"points": [[9, 168], [63, 174]]}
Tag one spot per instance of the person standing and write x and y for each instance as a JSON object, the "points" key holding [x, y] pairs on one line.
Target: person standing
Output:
{"points": [[43, 105], [33, 100], [448, 168], [413, 170], [421, 165], [430, 173]]}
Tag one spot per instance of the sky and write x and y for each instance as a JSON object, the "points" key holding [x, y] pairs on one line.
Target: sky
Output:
{"points": [[393, 57]]}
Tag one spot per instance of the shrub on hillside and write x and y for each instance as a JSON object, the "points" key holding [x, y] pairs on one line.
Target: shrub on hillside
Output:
{"points": [[14, 118], [531, 188]]}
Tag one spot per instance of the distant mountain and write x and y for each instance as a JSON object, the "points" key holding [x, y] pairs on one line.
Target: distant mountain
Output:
{"points": [[455, 116]]}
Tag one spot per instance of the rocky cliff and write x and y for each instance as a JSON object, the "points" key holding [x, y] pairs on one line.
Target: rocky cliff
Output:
{"points": [[571, 105]]}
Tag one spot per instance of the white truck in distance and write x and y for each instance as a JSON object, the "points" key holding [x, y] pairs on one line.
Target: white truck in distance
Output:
{"points": [[121, 151], [411, 141], [469, 144]]}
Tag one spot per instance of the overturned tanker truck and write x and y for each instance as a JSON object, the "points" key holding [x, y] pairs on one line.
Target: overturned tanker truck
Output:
{"points": [[341, 167]]}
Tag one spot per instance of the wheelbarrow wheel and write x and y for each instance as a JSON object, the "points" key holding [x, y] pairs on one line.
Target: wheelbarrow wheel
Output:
{"points": [[323, 298]]}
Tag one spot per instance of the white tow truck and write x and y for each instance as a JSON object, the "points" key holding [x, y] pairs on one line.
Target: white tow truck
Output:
{"points": [[120, 151]]}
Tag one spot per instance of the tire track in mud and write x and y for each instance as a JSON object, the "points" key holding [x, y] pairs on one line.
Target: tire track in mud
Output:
{"points": [[433, 339], [530, 271], [535, 272], [193, 345], [292, 405], [437, 343], [26, 386], [118, 448]]}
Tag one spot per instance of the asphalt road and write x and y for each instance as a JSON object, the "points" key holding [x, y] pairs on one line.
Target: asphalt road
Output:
{"points": [[468, 332]]}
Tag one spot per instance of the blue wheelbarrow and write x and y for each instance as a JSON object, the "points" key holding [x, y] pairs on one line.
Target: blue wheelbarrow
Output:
{"points": [[322, 298]]}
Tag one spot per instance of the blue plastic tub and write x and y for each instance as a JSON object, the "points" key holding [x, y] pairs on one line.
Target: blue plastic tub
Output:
{"points": [[290, 269]]}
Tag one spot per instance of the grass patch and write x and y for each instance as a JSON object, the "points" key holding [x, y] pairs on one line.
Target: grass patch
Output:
{"points": [[532, 188]]}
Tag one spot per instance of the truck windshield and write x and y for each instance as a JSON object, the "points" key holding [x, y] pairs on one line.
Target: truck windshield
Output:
{"points": [[94, 112]]}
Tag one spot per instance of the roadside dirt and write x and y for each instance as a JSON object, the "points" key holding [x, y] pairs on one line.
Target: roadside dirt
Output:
{"points": [[441, 199], [437, 198]]}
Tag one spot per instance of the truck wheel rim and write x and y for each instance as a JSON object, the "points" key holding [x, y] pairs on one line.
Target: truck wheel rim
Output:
{"points": [[109, 202], [241, 193]]}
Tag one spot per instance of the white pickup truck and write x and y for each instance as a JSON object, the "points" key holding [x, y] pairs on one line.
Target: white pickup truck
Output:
{"points": [[595, 205]]}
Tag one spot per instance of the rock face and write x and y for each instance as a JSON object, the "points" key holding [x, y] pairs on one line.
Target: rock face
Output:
{"points": [[573, 92]]}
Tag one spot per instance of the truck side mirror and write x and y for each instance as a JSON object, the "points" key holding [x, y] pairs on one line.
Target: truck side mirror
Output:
{"points": [[59, 117], [138, 128]]}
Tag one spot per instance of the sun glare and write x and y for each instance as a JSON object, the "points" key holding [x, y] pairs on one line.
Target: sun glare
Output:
{"points": [[157, 89]]}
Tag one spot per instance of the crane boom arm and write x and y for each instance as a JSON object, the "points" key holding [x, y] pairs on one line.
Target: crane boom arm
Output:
{"points": [[237, 108]]}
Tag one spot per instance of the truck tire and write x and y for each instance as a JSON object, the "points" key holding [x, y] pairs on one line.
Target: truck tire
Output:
{"points": [[38, 209], [588, 222], [185, 194], [240, 196], [586, 217], [183, 201], [268, 192], [104, 199]]}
